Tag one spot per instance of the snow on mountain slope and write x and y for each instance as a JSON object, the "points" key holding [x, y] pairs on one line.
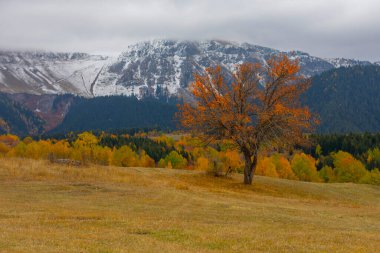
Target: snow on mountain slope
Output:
{"points": [[49, 73], [167, 66], [341, 62], [158, 68]]}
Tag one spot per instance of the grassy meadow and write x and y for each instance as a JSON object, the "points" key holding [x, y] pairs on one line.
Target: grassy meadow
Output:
{"points": [[47, 207]]}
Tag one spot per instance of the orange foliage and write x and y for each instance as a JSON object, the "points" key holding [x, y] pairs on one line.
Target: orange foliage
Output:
{"points": [[4, 149], [202, 164], [347, 168], [9, 140], [232, 159], [283, 167], [265, 167], [250, 115], [145, 160]]}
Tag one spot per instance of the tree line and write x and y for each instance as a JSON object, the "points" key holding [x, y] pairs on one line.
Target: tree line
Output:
{"points": [[362, 146], [183, 151]]}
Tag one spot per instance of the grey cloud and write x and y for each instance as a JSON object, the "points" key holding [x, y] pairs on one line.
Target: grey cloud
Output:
{"points": [[334, 28]]}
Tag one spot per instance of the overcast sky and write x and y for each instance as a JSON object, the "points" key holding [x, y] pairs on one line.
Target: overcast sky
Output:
{"points": [[325, 28]]}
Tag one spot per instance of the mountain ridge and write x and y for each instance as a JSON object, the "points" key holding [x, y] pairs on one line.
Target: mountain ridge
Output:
{"points": [[150, 68]]}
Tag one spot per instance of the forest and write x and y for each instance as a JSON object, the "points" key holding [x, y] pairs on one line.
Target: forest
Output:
{"points": [[333, 159], [346, 99], [118, 112]]}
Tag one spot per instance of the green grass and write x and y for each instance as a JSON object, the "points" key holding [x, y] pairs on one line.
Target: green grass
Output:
{"points": [[54, 208]]}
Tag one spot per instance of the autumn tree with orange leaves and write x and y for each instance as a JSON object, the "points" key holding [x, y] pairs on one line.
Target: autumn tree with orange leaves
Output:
{"points": [[260, 109]]}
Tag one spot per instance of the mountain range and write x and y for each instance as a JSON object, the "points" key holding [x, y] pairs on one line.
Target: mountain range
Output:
{"points": [[56, 92], [159, 67]]}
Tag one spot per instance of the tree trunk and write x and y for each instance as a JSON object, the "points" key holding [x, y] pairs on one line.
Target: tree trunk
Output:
{"points": [[249, 168]]}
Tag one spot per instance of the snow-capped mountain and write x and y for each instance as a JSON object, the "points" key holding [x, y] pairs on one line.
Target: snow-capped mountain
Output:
{"points": [[49, 73], [166, 66], [159, 67]]}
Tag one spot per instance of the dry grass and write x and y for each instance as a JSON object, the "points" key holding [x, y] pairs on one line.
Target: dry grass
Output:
{"points": [[55, 208]]}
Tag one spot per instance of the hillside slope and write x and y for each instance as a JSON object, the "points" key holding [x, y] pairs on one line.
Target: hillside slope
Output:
{"points": [[347, 99], [117, 112], [54, 208], [51, 108], [17, 119]]}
